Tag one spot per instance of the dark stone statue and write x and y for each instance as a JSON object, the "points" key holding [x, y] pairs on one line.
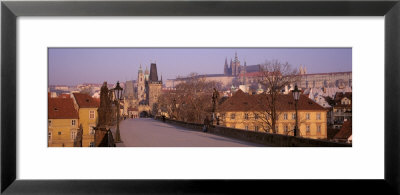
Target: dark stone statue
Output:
{"points": [[105, 109], [215, 97]]}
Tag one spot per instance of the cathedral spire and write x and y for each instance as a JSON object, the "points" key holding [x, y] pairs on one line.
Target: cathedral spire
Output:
{"points": [[226, 69]]}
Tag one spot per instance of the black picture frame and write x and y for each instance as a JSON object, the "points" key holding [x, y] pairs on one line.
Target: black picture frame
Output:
{"points": [[11, 10]]}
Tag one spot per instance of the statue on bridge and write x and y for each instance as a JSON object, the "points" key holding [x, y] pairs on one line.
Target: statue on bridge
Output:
{"points": [[215, 97], [105, 109]]}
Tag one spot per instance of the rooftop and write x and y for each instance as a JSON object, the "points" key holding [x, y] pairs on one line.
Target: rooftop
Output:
{"points": [[241, 101], [86, 101], [345, 132], [62, 108]]}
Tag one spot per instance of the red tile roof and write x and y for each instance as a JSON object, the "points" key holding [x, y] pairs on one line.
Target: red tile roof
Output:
{"points": [[345, 132], [241, 101], [97, 100], [62, 108], [86, 101]]}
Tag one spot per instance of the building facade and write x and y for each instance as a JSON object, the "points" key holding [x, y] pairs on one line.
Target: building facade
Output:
{"points": [[88, 117], [248, 112], [341, 110], [63, 122]]}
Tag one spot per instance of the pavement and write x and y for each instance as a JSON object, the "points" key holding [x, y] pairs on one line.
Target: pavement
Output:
{"points": [[147, 132]]}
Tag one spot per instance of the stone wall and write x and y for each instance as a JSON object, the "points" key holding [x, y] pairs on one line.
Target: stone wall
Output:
{"points": [[260, 138]]}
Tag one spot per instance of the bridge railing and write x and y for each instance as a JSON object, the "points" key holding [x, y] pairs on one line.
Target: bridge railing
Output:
{"points": [[268, 139]]}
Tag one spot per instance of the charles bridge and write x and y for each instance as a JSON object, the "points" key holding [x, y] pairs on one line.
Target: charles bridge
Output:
{"points": [[150, 132]]}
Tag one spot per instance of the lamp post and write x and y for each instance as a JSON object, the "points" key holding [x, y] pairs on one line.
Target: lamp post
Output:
{"points": [[296, 96], [118, 94]]}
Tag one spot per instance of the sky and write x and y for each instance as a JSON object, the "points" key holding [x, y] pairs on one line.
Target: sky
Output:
{"points": [[72, 66]]}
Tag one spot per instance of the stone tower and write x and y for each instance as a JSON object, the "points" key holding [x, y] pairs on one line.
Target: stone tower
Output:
{"points": [[243, 72], [146, 74], [154, 86], [141, 88]]}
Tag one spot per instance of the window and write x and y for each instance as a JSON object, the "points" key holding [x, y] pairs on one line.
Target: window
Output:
{"points": [[73, 122], [246, 116], [49, 135], [276, 128], [233, 116], [308, 116], [232, 126], [73, 135], [255, 116], [308, 128], [285, 116], [49, 122], [91, 144], [91, 130], [256, 128], [91, 114], [294, 116], [246, 127], [319, 129], [318, 116], [59, 133], [286, 128]]}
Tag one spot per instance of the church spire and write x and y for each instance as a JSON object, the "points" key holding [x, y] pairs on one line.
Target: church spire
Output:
{"points": [[226, 69], [140, 69]]}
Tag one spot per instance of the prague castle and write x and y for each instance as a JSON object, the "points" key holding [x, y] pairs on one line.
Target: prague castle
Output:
{"points": [[141, 96], [248, 75]]}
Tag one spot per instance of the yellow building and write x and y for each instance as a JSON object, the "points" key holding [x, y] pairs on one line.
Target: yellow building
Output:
{"points": [[248, 112], [62, 122], [88, 117]]}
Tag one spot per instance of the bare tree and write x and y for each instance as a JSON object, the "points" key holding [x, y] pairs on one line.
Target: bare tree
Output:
{"points": [[192, 99], [274, 77]]}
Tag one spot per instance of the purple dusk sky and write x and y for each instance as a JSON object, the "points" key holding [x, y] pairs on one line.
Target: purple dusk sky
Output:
{"points": [[72, 66]]}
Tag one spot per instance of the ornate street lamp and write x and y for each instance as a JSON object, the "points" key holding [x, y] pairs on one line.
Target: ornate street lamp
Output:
{"points": [[296, 96], [118, 95]]}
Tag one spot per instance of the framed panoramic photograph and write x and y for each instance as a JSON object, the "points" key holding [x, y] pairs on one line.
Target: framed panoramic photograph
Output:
{"points": [[199, 97]]}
